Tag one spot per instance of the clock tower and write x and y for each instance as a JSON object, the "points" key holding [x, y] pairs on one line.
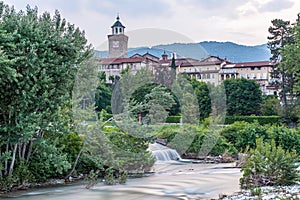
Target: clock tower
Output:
{"points": [[117, 41]]}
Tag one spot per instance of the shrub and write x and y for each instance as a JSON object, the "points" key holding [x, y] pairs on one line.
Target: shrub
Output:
{"points": [[189, 139], [173, 119], [243, 134], [269, 165], [288, 139], [262, 120]]}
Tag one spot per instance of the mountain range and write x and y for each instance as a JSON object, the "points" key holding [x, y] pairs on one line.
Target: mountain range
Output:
{"points": [[231, 51]]}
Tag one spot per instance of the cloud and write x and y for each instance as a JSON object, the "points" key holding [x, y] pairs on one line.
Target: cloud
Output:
{"points": [[130, 8], [275, 6], [227, 9]]}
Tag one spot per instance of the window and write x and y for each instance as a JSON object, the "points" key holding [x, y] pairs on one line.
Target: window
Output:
{"points": [[265, 76], [208, 76], [213, 76], [120, 29], [258, 76]]}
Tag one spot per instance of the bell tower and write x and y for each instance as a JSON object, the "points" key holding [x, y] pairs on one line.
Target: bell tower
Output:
{"points": [[117, 41]]}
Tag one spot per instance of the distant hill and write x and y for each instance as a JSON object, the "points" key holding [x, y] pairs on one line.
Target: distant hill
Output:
{"points": [[232, 51]]}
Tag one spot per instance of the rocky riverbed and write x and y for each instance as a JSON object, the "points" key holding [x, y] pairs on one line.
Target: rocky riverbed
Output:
{"points": [[268, 193]]}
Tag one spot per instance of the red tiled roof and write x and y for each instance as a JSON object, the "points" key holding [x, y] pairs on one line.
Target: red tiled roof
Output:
{"points": [[254, 64], [109, 61]]}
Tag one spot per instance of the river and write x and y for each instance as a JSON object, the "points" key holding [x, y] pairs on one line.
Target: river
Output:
{"points": [[170, 180]]}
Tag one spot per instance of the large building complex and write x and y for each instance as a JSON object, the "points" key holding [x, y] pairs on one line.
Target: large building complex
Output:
{"points": [[212, 70]]}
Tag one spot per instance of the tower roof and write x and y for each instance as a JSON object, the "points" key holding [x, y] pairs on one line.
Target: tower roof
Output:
{"points": [[117, 23]]}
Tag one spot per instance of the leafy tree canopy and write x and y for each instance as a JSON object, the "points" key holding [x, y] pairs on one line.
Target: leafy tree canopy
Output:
{"points": [[243, 96]]}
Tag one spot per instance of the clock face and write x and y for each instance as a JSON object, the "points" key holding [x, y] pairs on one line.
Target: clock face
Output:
{"points": [[115, 44]]}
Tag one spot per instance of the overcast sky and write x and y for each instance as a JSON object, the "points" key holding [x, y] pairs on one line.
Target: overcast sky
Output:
{"points": [[150, 22]]}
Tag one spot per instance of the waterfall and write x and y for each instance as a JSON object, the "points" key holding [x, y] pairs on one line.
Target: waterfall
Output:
{"points": [[163, 153]]}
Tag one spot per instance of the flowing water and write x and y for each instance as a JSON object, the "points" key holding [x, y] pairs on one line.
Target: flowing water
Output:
{"points": [[163, 153], [171, 180]]}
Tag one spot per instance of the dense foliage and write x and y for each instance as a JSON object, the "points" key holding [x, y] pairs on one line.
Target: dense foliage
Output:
{"points": [[202, 93], [284, 45], [139, 96], [269, 165], [243, 96], [243, 134], [252, 118], [40, 57], [190, 139]]}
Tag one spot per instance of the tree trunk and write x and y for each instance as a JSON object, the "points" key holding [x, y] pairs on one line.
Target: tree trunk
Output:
{"points": [[75, 162], [29, 151], [24, 150], [0, 169], [19, 149], [11, 168], [6, 161]]}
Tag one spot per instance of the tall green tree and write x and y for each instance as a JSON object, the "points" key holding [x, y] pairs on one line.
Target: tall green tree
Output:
{"points": [[202, 92], [41, 58], [103, 94], [281, 36], [243, 96], [291, 62]]}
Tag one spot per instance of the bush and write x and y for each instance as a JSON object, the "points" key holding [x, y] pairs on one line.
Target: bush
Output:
{"points": [[189, 139], [243, 134], [173, 119], [288, 139], [262, 120], [269, 165]]}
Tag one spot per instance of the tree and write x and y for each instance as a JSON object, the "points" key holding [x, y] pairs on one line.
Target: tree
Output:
{"points": [[103, 94], [140, 93], [243, 96], [281, 35], [270, 105], [202, 92], [43, 55], [290, 61]]}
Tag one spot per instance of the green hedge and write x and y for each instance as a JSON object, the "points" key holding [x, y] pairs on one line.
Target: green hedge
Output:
{"points": [[173, 119], [260, 119]]}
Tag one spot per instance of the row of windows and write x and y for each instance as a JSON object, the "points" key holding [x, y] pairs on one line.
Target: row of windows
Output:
{"points": [[254, 76], [205, 76], [197, 69], [253, 68], [114, 66]]}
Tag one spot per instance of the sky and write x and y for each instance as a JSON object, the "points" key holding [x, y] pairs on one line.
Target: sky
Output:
{"points": [[152, 22]]}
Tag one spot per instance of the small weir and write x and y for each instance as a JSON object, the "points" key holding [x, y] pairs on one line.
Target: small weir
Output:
{"points": [[163, 153]]}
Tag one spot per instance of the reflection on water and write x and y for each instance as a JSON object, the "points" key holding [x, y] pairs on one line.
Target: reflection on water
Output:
{"points": [[171, 180]]}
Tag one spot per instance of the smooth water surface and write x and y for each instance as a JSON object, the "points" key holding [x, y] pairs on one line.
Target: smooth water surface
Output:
{"points": [[171, 180]]}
